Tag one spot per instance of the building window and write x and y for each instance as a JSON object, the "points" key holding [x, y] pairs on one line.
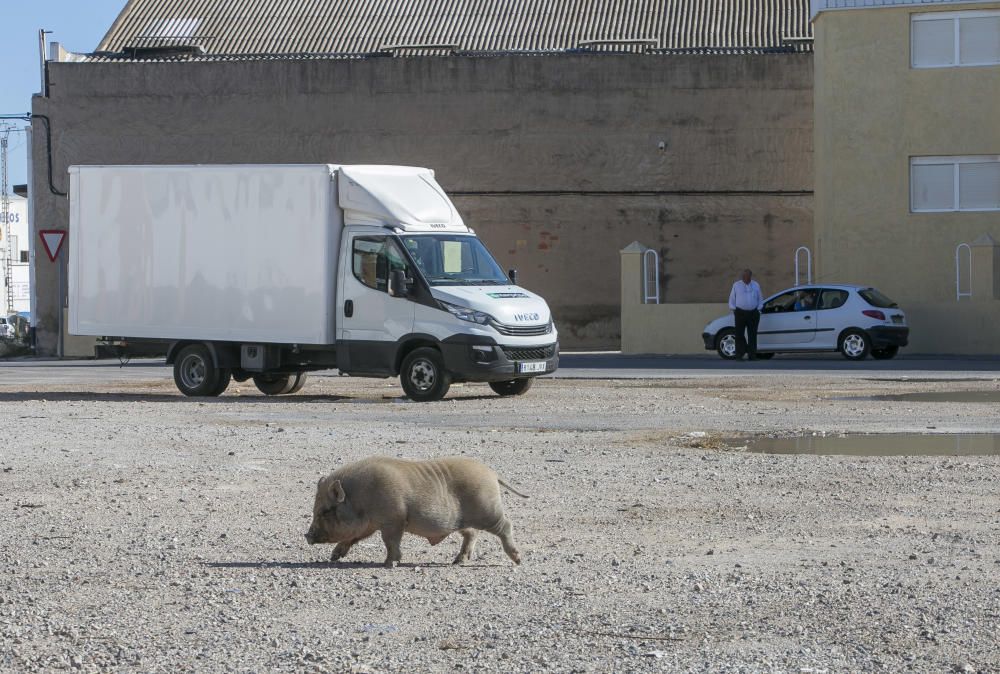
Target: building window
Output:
{"points": [[24, 256], [940, 184], [955, 39]]}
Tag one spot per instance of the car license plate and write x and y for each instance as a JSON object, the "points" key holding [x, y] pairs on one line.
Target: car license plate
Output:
{"points": [[538, 366], [896, 318]]}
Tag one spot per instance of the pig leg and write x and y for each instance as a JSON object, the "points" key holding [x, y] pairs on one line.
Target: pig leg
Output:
{"points": [[392, 539], [502, 530], [343, 547], [468, 545]]}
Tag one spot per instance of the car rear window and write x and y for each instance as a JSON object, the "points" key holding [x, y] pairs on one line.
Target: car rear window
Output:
{"points": [[877, 299], [831, 299]]}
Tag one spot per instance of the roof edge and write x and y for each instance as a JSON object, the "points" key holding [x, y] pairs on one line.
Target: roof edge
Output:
{"points": [[103, 45], [817, 6]]}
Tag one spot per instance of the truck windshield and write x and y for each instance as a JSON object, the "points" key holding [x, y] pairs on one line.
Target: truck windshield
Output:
{"points": [[452, 259]]}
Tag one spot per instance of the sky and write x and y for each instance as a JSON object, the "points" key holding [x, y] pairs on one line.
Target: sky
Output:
{"points": [[78, 24]]}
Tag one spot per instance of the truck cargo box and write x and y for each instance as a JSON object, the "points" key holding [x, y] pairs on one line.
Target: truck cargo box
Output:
{"points": [[234, 253]]}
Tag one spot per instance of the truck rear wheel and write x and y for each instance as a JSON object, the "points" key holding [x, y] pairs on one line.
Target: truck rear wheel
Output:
{"points": [[423, 376], [195, 373], [514, 387], [274, 384], [225, 376], [300, 381]]}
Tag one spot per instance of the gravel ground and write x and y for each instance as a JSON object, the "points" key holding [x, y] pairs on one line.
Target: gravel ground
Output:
{"points": [[147, 532]]}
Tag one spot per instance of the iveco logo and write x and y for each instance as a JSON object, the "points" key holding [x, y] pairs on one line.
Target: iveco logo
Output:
{"points": [[525, 317], [438, 225]]}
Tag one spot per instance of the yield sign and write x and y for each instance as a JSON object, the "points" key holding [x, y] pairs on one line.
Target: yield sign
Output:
{"points": [[52, 241]]}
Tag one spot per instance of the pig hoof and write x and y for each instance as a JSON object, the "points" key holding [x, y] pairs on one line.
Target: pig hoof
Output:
{"points": [[390, 563], [461, 559]]}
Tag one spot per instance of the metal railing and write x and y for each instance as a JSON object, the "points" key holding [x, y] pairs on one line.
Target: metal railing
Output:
{"points": [[809, 264], [650, 277], [958, 271]]}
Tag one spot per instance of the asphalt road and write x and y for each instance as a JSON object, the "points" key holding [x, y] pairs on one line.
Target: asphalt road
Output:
{"points": [[605, 365]]}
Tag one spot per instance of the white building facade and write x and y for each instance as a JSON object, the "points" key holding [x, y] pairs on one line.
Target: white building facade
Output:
{"points": [[15, 236]]}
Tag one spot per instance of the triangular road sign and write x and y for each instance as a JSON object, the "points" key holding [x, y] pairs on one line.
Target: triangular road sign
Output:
{"points": [[52, 241]]}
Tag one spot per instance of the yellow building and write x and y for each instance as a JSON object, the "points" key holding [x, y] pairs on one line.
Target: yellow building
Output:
{"points": [[907, 161]]}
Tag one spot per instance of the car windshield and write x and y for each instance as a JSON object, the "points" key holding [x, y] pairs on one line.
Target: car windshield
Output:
{"points": [[454, 259], [877, 299]]}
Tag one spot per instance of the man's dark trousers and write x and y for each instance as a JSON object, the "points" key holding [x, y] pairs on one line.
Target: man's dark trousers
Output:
{"points": [[746, 331]]}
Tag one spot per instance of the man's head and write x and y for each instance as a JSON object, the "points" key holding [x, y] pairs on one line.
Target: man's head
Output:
{"points": [[746, 275]]}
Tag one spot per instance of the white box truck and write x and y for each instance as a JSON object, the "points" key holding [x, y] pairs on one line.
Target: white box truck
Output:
{"points": [[271, 271]]}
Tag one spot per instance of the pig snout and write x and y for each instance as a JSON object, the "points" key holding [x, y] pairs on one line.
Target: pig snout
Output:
{"points": [[313, 536]]}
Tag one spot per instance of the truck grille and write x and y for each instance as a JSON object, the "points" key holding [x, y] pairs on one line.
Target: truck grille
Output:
{"points": [[522, 330], [529, 352]]}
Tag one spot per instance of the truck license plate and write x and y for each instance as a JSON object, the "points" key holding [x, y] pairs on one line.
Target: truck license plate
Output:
{"points": [[538, 366]]}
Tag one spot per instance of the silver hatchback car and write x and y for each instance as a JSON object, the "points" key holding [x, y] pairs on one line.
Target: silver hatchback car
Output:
{"points": [[854, 320]]}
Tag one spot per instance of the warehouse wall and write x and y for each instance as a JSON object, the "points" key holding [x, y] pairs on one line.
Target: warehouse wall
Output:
{"points": [[557, 161]]}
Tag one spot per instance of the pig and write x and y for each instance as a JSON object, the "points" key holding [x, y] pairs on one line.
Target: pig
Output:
{"points": [[431, 499]]}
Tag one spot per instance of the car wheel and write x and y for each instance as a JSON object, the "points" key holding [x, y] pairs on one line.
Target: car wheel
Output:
{"points": [[423, 376], [855, 345], [195, 373], [886, 353], [725, 343], [274, 384], [515, 387]]}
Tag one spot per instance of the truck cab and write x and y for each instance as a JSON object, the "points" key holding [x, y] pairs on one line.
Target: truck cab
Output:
{"points": [[420, 296]]}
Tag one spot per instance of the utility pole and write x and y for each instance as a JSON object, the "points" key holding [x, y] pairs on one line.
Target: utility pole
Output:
{"points": [[8, 276]]}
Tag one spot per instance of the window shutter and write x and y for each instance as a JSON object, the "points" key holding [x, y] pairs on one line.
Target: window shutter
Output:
{"points": [[933, 43], [979, 186], [979, 40], [932, 187]]}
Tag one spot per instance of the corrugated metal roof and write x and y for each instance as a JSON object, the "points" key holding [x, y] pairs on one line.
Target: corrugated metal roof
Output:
{"points": [[300, 28]]}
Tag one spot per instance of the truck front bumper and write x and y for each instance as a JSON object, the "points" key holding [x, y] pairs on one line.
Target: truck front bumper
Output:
{"points": [[482, 360]]}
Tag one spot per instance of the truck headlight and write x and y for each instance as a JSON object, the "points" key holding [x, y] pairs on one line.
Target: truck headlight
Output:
{"points": [[466, 314]]}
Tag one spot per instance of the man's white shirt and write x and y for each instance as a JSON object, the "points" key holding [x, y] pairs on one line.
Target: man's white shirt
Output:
{"points": [[746, 296]]}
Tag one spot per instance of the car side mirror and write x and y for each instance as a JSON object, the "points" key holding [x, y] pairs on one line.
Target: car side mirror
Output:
{"points": [[512, 275], [397, 283]]}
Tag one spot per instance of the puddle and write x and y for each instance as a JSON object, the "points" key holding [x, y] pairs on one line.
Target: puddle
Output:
{"points": [[944, 397], [882, 444]]}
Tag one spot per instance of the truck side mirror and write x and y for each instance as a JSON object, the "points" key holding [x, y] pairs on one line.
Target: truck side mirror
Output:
{"points": [[512, 275], [397, 283]]}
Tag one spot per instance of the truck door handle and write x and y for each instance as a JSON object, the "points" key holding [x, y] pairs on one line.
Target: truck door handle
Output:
{"points": [[349, 308]]}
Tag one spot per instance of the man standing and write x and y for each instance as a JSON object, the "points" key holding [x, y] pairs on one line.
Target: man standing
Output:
{"points": [[746, 301]]}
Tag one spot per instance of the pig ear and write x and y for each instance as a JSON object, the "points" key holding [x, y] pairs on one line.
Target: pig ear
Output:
{"points": [[337, 491]]}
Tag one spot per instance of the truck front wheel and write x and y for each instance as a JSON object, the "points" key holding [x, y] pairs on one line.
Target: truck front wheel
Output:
{"points": [[195, 373], [514, 387], [423, 375]]}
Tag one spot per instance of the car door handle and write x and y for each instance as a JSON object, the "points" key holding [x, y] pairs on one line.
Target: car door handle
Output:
{"points": [[349, 308], [807, 318]]}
